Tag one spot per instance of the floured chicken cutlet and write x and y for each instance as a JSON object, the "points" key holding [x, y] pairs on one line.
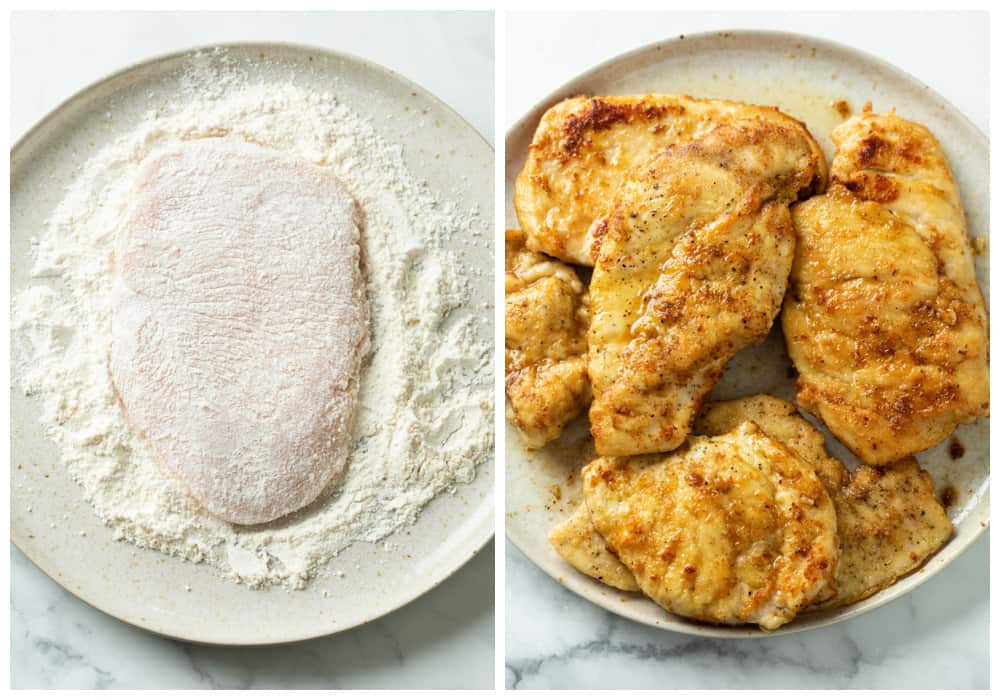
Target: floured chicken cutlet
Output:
{"points": [[889, 520], [584, 148], [884, 320], [239, 324], [731, 529], [546, 342], [692, 268]]}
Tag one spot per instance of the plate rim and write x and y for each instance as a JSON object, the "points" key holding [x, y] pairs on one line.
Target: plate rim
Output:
{"points": [[481, 539], [726, 33], [579, 584]]}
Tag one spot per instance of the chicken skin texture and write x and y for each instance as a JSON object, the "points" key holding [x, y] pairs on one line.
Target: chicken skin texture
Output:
{"points": [[546, 343], [884, 320], [732, 529], [584, 148], [693, 265]]}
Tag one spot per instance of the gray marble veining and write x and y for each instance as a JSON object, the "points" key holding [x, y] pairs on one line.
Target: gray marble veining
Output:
{"points": [[443, 639], [936, 637]]}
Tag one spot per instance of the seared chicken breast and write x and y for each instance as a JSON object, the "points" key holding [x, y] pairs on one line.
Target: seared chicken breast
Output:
{"points": [[731, 529], [889, 521], [584, 148], [782, 421], [884, 320], [692, 267], [546, 343]]}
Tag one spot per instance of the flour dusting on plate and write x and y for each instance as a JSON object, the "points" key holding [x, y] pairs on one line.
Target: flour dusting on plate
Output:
{"points": [[424, 418]]}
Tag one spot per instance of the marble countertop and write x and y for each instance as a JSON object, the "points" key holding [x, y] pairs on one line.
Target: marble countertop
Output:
{"points": [[443, 639], [936, 637]]}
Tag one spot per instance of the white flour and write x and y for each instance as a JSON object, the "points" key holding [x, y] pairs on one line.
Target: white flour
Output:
{"points": [[424, 418]]}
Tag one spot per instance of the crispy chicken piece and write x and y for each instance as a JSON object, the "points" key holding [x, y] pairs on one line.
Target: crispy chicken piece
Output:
{"points": [[889, 520], [884, 320], [731, 529], [584, 148], [579, 543], [692, 268], [546, 343]]}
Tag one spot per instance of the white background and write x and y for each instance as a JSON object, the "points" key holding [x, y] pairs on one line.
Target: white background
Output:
{"points": [[445, 638], [935, 638]]}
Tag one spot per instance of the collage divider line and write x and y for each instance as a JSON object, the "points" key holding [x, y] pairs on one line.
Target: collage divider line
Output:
{"points": [[499, 225]]}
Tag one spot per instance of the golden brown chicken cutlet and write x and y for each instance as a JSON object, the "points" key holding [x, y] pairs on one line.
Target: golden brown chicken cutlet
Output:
{"points": [[585, 147], [546, 321], [884, 319], [692, 268]]}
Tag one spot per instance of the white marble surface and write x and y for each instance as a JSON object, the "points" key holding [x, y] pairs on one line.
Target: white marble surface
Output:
{"points": [[445, 638], [442, 640], [938, 637]]}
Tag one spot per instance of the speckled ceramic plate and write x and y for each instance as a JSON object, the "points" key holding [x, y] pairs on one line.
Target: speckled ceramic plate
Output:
{"points": [[803, 76], [146, 588]]}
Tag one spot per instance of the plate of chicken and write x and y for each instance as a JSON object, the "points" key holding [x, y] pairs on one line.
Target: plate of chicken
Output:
{"points": [[747, 345]]}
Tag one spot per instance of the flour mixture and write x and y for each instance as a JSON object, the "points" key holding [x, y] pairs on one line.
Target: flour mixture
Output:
{"points": [[424, 417]]}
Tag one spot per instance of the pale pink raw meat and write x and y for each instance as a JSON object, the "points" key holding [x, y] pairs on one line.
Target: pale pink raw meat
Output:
{"points": [[240, 323]]}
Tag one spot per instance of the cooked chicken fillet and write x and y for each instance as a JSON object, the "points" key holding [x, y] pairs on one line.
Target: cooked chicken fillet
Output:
{"points": [[692, 268], [546, 342], [890, 523], [889, 520], [584, 148], [783, 422], [731, 529], [578, 542], [884, 320]]}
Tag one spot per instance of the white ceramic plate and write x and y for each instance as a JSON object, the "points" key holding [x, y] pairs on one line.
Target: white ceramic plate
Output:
{"points": [[803, 76], [143, 587]]}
